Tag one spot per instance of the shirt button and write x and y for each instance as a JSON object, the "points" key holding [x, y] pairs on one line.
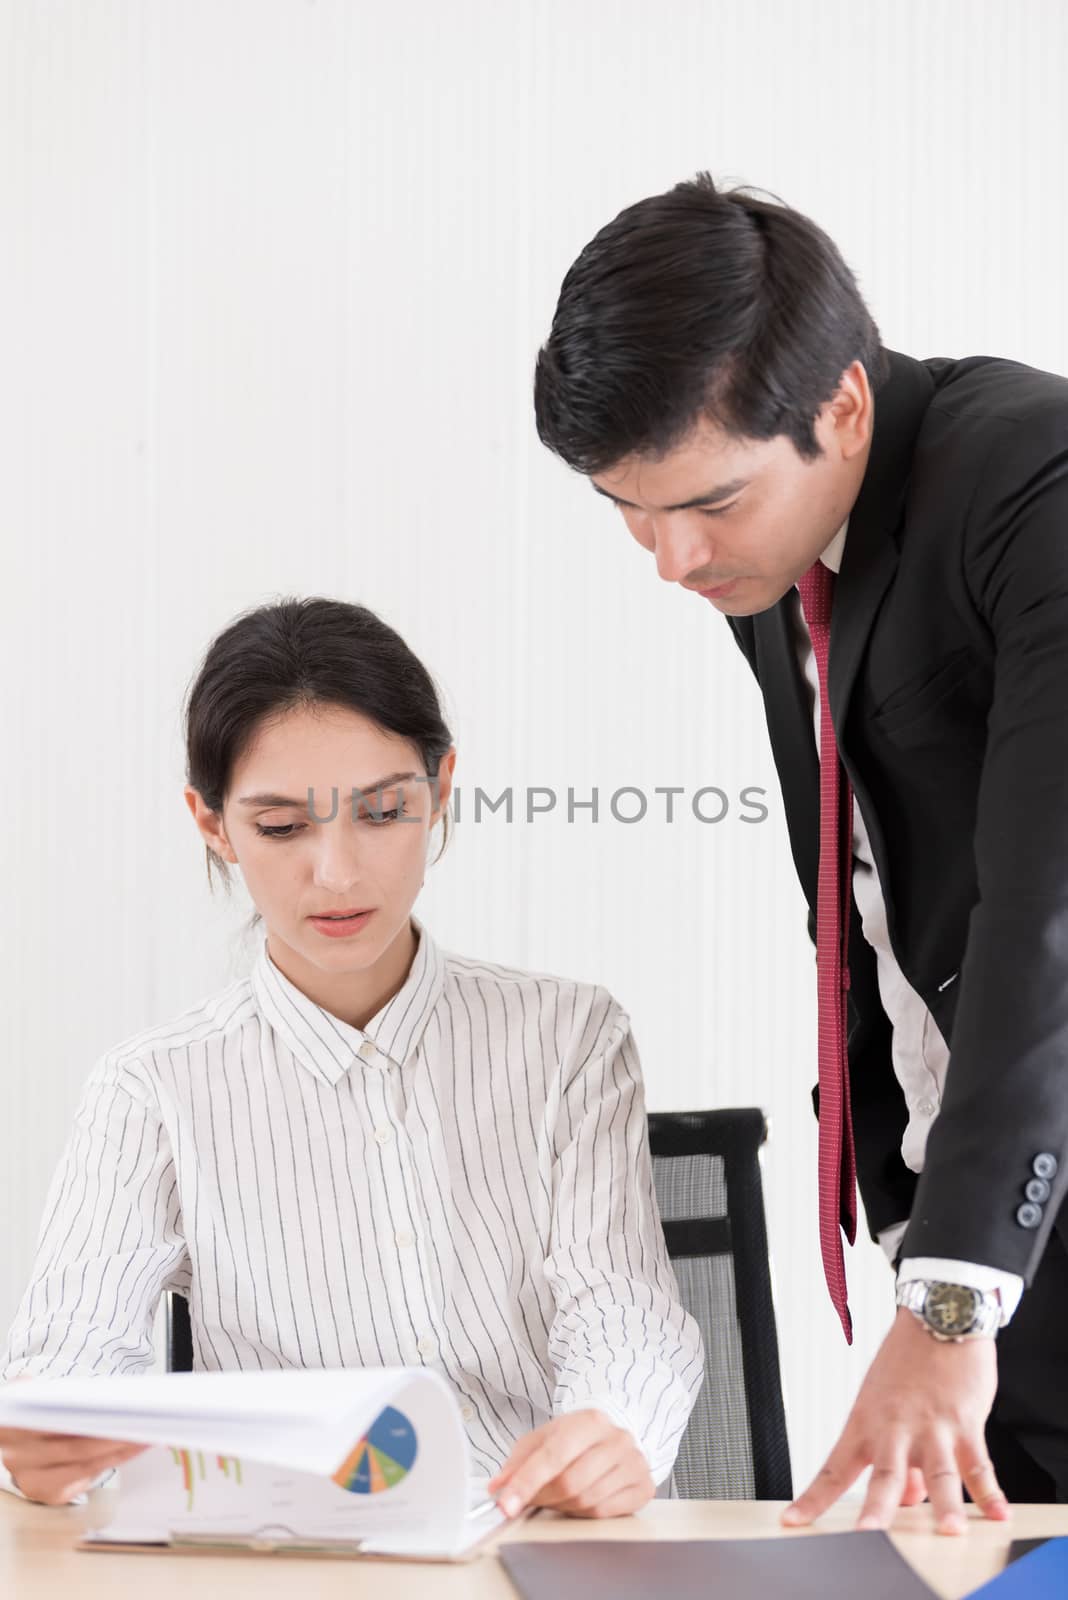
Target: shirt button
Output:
{"points": [[1044, 1165], [467, 1412], [427, 1347], [383, 1134], [366, 1051], [1037, 1190], [1028, 1215], [403, 1239], [926, 1108]]}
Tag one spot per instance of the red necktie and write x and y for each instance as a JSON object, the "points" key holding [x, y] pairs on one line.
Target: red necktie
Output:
{"points": [[837, 1159]]}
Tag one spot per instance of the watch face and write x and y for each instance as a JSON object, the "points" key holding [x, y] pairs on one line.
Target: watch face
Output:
{"points": [[951, 1308]]}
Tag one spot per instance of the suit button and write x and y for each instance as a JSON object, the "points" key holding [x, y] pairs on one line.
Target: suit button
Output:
{"points": [[1037, 1190], [1045, 1165], [1029, 1216]]}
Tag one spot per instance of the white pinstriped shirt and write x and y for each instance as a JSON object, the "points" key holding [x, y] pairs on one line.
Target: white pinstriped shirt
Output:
{"points": [[464, 1184]]}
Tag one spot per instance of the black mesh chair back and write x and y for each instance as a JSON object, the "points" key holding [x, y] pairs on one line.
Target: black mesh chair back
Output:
{"points": [[706, 1168], [179, 1334]]}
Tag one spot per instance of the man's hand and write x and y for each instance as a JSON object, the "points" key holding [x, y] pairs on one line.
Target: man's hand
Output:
{"points": [[54, 1467], [581, 1464], [921, 1409]]}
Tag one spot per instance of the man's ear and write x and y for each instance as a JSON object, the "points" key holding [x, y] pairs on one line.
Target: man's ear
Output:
{"points": [[852, 410]]}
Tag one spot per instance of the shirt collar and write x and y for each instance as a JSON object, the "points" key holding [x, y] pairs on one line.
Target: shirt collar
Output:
{"points": [[832, 556], [329, 1047]]}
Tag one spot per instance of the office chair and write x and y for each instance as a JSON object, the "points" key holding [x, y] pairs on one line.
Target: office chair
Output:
{"points": [[706, 1169]]}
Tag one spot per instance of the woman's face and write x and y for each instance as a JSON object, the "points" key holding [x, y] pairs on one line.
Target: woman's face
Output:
{"points": [[367, 852]]}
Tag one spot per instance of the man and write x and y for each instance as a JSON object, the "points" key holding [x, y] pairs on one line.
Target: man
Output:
{"points": [[714, 371]]}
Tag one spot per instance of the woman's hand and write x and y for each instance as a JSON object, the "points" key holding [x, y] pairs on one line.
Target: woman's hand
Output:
{"points": [[581, 1464], [54, 1467]]}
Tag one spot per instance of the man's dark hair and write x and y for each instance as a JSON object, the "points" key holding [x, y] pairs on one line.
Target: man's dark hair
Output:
{"points": [[699, 303]]}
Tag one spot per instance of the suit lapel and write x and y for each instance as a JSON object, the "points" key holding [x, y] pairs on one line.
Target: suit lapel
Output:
{"points": [[870, 557], [868, 565]]}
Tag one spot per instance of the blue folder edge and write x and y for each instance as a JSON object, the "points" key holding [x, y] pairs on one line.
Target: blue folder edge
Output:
{"points": [[1042, 1575]]}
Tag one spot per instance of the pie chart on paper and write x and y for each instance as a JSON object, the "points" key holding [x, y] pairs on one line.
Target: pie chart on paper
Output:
{"points": [[382, 1458]]}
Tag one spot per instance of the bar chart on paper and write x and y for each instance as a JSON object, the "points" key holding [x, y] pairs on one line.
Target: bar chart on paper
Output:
{"points": [[193, 1465], [382, 1458]]}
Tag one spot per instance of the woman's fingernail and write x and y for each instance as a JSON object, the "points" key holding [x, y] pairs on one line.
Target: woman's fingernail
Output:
{"points": [[510, 1505], [79, 1488]]}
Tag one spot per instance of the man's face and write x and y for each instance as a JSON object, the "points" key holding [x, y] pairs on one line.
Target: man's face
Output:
{"points": [[738, 521]]}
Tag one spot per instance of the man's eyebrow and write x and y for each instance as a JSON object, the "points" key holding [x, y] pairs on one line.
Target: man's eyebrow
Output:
{"points": [[285, 800], [722, 492]]}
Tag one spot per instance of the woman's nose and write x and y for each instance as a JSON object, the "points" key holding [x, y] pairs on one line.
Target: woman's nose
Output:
{"points": [[337, 863]]}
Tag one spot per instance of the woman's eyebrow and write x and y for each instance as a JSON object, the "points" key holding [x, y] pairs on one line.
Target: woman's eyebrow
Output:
{"points": [[286, 800]]}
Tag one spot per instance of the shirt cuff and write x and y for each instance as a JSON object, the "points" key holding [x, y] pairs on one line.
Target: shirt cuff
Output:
{"points": [[1009, 1285], [890, 1239], [608, 1405]]}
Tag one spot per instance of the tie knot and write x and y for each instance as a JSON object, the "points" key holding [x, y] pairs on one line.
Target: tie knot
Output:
{"points": [[816, 588]]}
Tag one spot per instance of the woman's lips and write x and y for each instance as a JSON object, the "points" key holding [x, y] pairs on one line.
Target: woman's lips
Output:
{"points": [[343, 927]]}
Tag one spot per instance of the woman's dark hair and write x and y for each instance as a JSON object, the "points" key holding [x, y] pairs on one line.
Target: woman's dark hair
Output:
{"points": [[297, 654], [699, 303]]}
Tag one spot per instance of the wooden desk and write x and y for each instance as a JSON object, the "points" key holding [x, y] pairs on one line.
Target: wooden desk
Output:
{"points": [[37, 1558]]}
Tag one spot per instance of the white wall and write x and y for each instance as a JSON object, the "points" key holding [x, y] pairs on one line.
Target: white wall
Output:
{"points": [[274, 273]]}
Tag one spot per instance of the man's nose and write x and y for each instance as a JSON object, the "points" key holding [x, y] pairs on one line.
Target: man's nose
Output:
{"points": [[680, 548]]}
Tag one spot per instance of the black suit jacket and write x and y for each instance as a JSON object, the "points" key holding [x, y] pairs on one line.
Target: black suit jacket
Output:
{"points": [[949, 692]]}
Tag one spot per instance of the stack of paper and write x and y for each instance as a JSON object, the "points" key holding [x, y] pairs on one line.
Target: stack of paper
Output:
{"points": [[365, 1461]]}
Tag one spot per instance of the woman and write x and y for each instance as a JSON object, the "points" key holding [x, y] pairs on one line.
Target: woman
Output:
{"points": [[369, 1151]]}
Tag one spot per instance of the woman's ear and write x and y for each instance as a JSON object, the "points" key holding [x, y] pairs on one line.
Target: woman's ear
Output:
{"points": [[441, 791], [210, 825]]}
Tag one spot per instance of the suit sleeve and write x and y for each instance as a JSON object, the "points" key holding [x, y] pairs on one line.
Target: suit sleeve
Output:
{"points": [[1006, 1092]]}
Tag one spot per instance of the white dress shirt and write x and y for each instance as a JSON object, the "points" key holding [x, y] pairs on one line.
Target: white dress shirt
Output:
{"points": [[919, 1053], [465, 1184]]}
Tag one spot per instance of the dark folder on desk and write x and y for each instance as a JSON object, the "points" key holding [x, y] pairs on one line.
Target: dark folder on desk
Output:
{"points": [[805, 1567]]}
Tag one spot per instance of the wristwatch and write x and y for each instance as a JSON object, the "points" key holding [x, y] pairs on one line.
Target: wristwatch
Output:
{"points": [[952, 1310]]}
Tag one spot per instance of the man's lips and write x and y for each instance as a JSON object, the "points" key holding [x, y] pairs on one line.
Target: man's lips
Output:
{"points": [[714, 591]]}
